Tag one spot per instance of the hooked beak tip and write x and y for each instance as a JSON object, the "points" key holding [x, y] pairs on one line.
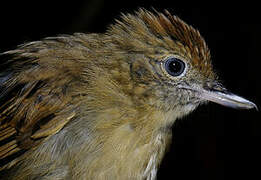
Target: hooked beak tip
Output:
{"points": [[255, 107]]}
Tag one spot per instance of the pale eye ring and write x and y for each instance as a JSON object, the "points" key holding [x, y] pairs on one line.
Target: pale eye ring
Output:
{"points": [[174, 66]]}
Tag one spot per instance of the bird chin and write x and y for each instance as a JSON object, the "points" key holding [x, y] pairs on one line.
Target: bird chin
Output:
{"points": [[191, 107], [187, 109]]}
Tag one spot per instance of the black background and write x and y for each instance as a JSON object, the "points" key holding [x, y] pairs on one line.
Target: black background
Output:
{"points": [[212, 143]]}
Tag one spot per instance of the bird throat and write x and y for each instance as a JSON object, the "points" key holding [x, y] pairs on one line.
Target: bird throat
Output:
{"points": [[141, 145]]}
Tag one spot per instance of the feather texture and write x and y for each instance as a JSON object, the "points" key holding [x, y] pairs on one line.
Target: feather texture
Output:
{"points": [[96, 106]]}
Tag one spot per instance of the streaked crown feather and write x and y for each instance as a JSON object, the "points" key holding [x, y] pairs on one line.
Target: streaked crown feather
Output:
{"points": [[149, 32]]}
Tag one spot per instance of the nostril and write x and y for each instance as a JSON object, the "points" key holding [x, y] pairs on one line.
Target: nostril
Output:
{"points": [[214, 86]]}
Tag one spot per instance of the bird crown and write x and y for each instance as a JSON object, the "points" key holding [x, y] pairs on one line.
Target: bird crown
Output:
{"points": [[155, 32]]}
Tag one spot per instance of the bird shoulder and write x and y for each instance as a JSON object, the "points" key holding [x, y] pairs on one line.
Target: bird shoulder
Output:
{"points": [[37, 93]]}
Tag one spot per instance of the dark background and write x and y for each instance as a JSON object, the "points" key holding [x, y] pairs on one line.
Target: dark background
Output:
{"points": [[212, 143]]}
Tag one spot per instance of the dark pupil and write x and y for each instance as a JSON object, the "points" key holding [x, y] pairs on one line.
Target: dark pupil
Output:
{"points": [[175, 66]]}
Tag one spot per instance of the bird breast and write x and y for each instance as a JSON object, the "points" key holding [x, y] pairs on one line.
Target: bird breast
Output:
{"points": [[152, 166]]}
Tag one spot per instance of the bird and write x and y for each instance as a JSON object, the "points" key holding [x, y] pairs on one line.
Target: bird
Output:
{"points": [[102, 105]]}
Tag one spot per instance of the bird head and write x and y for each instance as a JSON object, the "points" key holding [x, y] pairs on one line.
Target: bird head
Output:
{"points": [[169, 63], [103, 100]]}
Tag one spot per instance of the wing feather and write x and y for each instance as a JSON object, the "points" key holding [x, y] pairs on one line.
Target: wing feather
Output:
{"points": [[37, 83]]}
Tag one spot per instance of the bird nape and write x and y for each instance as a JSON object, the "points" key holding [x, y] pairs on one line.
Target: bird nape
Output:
{"points": [[101, 106]]}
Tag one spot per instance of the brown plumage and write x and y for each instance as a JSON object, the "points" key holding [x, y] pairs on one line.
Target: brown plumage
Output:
{"points": [[101, 106]]}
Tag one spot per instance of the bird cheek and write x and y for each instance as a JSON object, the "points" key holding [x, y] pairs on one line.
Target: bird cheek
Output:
{"points": [[139, 89], [140, 72]]}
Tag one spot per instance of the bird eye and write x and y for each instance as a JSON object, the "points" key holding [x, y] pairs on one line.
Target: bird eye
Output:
{"points": [[174, 66]]}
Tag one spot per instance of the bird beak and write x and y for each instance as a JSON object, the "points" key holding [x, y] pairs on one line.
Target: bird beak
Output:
{"points": [[218, 94]]}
